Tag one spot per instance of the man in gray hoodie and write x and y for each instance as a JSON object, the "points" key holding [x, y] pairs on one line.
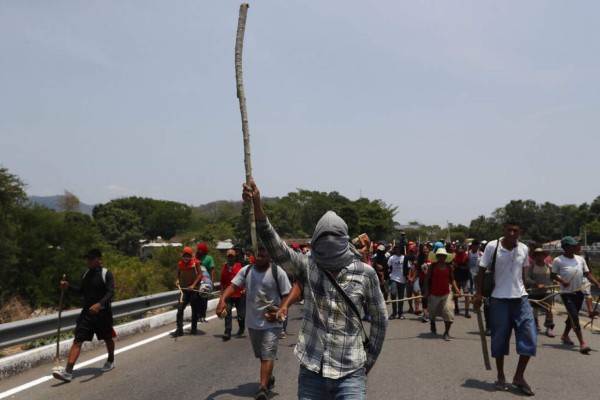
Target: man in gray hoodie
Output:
{"points": [[334, 361]]}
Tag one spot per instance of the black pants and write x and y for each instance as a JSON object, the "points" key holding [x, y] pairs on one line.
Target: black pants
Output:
{"points": [[190, 298], [240, 306]]}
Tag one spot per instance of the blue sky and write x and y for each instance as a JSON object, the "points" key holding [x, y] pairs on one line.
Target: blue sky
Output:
{"points": [[446, 110]]}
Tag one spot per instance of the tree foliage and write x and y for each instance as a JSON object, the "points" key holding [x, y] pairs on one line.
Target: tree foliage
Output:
{"points": [[124, 222]]}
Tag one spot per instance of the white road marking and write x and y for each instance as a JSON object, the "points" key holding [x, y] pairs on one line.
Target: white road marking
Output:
{"points": [[86, 363]]}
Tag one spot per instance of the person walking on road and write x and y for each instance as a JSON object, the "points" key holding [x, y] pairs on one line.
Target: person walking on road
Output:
{"points": [[509, 304], [98, 288], [334, 361], [237, 299], [188, 275], [569, 269], [265, 288], [438, 281]]}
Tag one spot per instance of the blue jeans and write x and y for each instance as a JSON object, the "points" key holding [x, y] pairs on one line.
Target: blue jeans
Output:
{"points": [[398, 293], [509, 314], [312, 386]]}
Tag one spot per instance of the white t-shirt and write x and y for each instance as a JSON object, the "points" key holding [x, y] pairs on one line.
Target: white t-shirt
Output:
{"points": [[395, 263], [570, 270], [508, 272], [474, 262]]}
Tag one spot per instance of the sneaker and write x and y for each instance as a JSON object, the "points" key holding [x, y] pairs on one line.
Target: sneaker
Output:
{"points": [[240, 332], [261, 394], [226, 336], [425, 318], [108, 366], [282, 335], [401, 317], [271, 384], [193, 331], [61, 374], [549, 333], [447, 337], [467, 315], [393, 316]]}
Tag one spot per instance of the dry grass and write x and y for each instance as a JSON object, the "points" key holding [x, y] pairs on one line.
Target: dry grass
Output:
{"points": [[14, 309]]}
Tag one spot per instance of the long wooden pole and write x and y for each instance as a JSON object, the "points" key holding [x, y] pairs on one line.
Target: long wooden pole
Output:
{"points": [[60, 307], [239, 78]]}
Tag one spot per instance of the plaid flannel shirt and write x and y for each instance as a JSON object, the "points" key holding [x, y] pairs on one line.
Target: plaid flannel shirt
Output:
{"points": [[330, 340]]}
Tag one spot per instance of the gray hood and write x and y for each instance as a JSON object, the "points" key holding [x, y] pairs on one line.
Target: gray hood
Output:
{"points": [[331, 249]]}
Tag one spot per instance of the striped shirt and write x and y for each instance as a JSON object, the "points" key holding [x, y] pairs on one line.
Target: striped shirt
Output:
{"points": [[330, 341]]}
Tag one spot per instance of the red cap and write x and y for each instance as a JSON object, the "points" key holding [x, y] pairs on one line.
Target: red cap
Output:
{"points": [[296, 246], [187, 250], [203, 246]]}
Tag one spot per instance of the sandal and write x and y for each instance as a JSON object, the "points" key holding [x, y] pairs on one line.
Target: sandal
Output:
{"points": [[501, 386], [585, 350], [567, 340], [524, 388]]}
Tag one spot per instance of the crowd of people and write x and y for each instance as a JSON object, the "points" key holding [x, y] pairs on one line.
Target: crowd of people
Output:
{"points": [[365, 280]]}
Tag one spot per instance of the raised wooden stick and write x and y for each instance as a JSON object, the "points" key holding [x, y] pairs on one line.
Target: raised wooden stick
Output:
{"points": [[239, 79]]}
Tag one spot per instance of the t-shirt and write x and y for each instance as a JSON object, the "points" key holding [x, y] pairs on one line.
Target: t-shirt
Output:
{"points": [[261, 293], [474, 262], [508, 272], [570, 270], [209, 263], [395, 262], [461, 267]]}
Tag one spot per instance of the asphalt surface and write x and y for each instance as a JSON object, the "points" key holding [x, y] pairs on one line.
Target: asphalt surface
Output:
{"points": [[414, 364]]}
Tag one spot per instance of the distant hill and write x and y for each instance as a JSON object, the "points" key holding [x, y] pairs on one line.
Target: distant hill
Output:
{"points": [[51, 202]]}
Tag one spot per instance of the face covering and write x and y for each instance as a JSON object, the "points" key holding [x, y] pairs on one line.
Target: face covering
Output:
{"points": [[331, 249]]}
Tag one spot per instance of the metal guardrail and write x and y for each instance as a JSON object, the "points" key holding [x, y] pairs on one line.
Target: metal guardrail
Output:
{"points": [[18, 332]]}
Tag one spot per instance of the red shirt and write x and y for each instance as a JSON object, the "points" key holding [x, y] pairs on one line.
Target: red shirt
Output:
{"points": [[440, 280], [227, 276]]}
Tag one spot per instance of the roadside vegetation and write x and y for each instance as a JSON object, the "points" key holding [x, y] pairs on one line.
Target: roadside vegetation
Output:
{"points": [[38, 245]]}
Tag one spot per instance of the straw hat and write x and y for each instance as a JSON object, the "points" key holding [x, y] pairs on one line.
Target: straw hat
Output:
{"points": [[441, 252]]}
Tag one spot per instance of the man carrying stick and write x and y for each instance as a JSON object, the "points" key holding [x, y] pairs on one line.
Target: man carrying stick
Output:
{"points": [[97, 288], [334, 361], [509, 305]]}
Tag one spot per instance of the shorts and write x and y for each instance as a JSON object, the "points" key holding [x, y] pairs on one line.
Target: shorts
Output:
{"points": [[264, 342], [416, 286], [441, 306], [88, 325], [509, 314], [464, 286]]}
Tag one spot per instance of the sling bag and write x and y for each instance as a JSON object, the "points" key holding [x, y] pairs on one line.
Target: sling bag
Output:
{"points": [[350, 304]]}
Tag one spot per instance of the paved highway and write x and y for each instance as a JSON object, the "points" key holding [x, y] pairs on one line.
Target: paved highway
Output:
{"points": [[414, 364]]}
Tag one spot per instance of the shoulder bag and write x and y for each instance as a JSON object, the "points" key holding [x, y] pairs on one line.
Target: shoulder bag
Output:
{"points": [[350, 304], [488, 277]]}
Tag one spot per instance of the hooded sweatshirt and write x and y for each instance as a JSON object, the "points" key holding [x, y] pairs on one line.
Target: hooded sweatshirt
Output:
{"points": [[331, 249]]}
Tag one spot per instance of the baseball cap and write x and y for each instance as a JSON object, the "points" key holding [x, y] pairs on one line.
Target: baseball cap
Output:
{"points": [[568, 241], [231, 252], [93, 253]]}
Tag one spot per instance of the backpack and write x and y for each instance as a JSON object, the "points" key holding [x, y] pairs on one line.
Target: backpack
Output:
{"points": [[275, 272]]}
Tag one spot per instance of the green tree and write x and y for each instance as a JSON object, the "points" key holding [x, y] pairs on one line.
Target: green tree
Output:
{"points": [[12, 200], [121, 228]]}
